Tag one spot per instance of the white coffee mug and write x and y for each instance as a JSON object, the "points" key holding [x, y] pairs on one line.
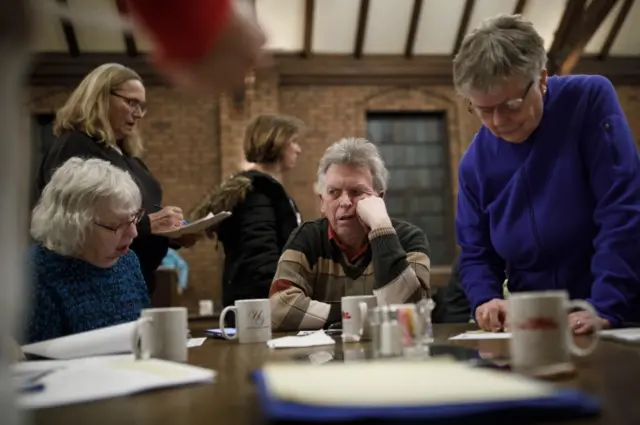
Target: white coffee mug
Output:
{"points": [[355, 326], [541, 339], [253, 321], [162, 333]]}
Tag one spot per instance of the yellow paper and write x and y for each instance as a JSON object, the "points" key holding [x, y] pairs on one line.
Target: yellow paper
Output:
{"points": [[397, 383]]}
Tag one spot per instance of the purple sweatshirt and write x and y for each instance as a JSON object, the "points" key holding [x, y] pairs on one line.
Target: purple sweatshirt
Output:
{"points": [[560, 210]]}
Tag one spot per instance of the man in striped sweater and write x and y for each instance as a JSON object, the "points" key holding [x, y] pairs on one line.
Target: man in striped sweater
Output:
{"points": [[356, 249]]}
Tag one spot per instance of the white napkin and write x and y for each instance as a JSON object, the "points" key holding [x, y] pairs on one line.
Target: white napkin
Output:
{"points": [[309, 340]]}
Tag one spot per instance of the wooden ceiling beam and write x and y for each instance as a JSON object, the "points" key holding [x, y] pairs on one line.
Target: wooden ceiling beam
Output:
{"points": [[129, 42], [55, 69], [363, 17], [520, 7], [463, 27], [615, 29], [577, 26], [307, 43], [570, 17], [413, 28], [593, 17], [69, 33]]}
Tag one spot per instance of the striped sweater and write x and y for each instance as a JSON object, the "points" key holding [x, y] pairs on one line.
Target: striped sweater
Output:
{"points": [[313, 274]]}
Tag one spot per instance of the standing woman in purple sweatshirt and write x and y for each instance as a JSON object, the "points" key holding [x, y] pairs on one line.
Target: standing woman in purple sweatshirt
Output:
{"points": [[549, 189]]}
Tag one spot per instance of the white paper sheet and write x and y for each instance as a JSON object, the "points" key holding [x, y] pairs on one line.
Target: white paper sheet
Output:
{"points": [[474, 335], [626, 334], [195, 342], [110, 340], [83, 380], [309, 340], [99, 342]]}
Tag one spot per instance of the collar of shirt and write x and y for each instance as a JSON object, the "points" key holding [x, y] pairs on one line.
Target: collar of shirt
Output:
{"points": [[334, 237]]}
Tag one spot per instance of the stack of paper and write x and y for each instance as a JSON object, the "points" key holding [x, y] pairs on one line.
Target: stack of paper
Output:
{"points": [[76, 381], [438, 391], [98, 342], [309, 340]]}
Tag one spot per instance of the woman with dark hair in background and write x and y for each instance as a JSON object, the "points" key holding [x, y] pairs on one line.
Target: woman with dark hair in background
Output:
{"points": [[263, 214]]}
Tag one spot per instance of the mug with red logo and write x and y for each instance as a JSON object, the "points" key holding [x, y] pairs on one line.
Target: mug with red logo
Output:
{"points": [[355, 308], [541, 339]]}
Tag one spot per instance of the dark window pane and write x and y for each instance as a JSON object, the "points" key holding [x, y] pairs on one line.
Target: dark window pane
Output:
{"points": [[387, 155], [414, 148], [425, 205], [433, 154]]}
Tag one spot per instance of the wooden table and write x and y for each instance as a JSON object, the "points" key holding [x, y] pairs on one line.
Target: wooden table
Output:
{"points": [[612, 373]]}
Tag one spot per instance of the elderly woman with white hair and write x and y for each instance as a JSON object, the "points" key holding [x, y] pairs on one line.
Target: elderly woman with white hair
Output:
{"points": [[549, 190], [355, 249], [86, 277]]}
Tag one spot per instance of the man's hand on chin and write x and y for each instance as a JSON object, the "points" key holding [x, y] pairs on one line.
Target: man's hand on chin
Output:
{"points": [[372, 212]]}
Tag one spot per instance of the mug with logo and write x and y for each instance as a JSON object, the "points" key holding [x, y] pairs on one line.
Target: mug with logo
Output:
{"points": [[541, 339], [253, 321], [355, 308], [161, 333]]}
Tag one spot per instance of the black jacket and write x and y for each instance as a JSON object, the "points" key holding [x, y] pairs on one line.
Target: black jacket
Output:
{"points": [[149, 248], [452, 305], [263, 217]]}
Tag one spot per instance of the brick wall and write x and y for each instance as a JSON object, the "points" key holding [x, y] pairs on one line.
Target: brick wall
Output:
{"points": [[191, 143]]}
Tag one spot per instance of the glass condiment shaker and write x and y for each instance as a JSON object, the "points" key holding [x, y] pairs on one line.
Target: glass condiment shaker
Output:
{"points": [[390, 333]]}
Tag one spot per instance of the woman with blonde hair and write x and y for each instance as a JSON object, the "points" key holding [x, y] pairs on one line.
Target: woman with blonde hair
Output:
{"points": [[100, 120], [263, 213]]}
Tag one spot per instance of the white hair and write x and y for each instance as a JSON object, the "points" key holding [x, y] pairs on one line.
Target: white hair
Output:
{"points": [[357, 152], [499, 48], [71, 200]]}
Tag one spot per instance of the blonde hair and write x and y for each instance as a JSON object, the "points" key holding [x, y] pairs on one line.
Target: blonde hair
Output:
{"points": [[87, 109], [267, 135]]}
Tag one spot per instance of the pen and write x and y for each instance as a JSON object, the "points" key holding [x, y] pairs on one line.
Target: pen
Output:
{"points": [[35, 388], [159, 207]]}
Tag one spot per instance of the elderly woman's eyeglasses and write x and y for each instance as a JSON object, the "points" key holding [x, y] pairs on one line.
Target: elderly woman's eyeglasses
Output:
{"points": [[134, 220], [508, 107], [132, 103]]}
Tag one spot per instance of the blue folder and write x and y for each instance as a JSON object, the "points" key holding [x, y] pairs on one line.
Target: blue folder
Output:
{"points": [[216, 333], [565, 404]]}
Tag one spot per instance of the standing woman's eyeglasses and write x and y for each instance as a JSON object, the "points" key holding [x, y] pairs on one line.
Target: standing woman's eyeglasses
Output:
{"points": [[132, 103]]}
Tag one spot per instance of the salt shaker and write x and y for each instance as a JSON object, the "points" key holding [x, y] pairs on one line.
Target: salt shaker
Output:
{"points": [[375, 321], [390, 334]]}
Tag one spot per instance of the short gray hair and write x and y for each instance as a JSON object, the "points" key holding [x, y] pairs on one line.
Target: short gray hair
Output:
{"points": [[357, 152], [73, 197], [501, 47]]}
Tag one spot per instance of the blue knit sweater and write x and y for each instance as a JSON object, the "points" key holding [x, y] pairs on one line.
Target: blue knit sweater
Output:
{"points": [[71, 296]]}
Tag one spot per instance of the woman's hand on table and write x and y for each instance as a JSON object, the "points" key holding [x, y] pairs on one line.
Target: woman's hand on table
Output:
{"points": [[582, 323], [491, 316]]}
